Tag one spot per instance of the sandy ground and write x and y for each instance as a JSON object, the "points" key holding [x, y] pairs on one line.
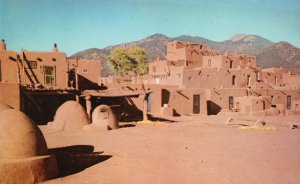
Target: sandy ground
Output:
{"points": [[192, 150]]}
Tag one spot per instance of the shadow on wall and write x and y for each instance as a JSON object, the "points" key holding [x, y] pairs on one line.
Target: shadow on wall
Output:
{"points": [[212, 108], [76, 158], [85, 83], [41, 108], [124, 108]]}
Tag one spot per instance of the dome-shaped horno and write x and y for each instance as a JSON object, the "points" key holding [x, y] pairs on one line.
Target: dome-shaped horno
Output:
{"points": [[70, 116], [20, 137]]}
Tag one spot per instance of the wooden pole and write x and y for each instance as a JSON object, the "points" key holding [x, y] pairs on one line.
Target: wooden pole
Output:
{"points": [[88, 104], [145, 108]]}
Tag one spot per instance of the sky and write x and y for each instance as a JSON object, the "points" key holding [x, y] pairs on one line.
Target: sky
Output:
{"points": [[76, 25]]}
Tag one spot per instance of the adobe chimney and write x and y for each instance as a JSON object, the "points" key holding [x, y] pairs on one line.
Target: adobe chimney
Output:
{"points": [[55, 49], [2, 45]]}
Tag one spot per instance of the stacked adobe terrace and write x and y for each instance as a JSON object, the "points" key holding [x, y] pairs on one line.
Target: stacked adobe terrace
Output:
{"points": [[195, 79]]}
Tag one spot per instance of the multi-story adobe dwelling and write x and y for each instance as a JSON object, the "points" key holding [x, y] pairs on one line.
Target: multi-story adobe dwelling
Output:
{"points": [[38, 82], [196, 80]]}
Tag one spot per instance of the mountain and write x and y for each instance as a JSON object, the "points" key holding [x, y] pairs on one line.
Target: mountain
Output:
{"points": [[280, 54], [268, 54], [240, 43]]}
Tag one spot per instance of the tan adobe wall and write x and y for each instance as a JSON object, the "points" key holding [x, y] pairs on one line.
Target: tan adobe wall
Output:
{"points": [[180, 100], [275, 70], [274, 79], [88, 72], [248, 104], [10, 94], [213, 78], [8, 62], [44, 60], [185, 51], [219, 98], [175, 77], [158, 67], [291, 80], [178, 54]]}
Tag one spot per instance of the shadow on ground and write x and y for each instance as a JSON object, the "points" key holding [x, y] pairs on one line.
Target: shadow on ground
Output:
{"points": [[155, 118], [126, 125], [76, 158]]}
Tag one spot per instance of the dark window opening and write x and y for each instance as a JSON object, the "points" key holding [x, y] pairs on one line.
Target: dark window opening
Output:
{"points": [[49, 74], [33, 64], [231, 63], [230, 102], [165, 94], [233, 80], [248, 80], [289, 102]]}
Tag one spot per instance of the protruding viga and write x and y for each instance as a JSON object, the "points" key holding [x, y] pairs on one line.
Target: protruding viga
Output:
{"points": [[24, 154]]}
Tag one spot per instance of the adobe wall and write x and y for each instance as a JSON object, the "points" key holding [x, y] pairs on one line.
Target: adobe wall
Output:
{"points": [[173, 77], [57, 60], [10, 94], [218, 99], [250, 104], [180, 100], [157, 67], [41, 107], [8, 61], [292, 80], [274, 79], [88, 72], [218, 78]]}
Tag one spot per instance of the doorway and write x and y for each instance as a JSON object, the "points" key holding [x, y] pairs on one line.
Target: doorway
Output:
{"points": [[196, 104], [165, 97], [72, 78]]}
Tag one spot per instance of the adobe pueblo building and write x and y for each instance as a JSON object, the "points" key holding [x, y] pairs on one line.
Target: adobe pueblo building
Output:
{"points": [[197, 80], [37, 83]]}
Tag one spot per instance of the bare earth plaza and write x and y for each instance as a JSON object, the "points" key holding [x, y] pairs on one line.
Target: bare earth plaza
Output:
{"points": [[157, 110]]}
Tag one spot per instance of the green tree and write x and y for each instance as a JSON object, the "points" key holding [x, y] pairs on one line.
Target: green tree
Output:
{"points": [[132, 61]]}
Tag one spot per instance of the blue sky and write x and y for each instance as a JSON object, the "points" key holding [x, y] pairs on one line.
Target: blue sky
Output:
{"points": [[80, 24]]}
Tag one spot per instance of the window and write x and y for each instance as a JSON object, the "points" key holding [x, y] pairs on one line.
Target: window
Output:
{"points": [[85, 71], [230, 102], [248, 80], [288, 103], [230, 65], [33, 64], [49, 73], [257, 76], [209, 63], [233, 80]]}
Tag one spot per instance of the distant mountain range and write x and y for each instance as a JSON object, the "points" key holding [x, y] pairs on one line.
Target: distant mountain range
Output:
{"points": [[268, 53]]}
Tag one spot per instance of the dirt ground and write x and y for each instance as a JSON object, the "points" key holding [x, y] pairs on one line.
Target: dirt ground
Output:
{"points": [[189, 150]]}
